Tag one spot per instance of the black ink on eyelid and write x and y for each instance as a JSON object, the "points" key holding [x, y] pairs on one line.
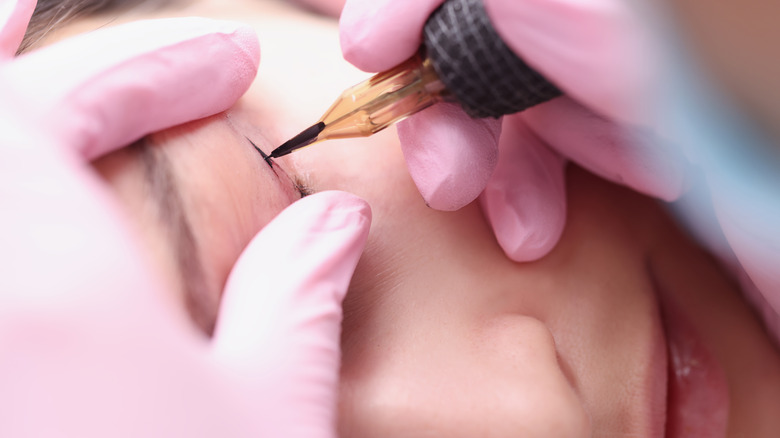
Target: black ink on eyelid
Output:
{"points": [[262, 154], [300, 186]]}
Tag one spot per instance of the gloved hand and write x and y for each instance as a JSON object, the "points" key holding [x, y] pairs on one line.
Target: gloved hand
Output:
{"points": [[90, 344], [593, 50]]}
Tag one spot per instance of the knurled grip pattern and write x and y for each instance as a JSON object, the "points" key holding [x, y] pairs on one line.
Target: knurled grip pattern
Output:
{"points": [[476, 66]]}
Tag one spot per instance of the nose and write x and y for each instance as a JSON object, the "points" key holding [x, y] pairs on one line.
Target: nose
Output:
{"points": [[498, 379]]}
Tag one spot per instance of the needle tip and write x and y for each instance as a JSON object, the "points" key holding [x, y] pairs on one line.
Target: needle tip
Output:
{"points": [[305, 138]]}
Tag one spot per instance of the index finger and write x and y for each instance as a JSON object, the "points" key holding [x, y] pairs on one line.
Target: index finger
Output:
{"points": [[105, 89]]}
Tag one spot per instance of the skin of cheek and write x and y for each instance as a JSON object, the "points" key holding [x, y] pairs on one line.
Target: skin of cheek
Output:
{"points": [[602, 331], [498, 379], [729, 330], [601, 307], [441, 374]]}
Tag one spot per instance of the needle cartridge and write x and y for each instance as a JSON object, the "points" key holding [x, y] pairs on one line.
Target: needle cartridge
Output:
{"points": [[374, 104]]}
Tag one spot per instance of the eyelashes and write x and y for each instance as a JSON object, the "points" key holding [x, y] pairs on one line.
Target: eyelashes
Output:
{"points": [[303, 188]]}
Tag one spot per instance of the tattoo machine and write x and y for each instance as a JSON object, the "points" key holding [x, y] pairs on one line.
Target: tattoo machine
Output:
{"points": [[462, 60]]}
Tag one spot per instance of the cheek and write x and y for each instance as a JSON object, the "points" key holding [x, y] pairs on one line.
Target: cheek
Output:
{"points": [[501, 379]]}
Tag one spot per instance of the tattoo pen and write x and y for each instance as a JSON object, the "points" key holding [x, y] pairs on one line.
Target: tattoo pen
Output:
{"points": [[462, 60]]}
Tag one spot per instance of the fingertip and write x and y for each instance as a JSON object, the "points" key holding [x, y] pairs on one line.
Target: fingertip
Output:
{"points": [[246, 40], [336, 211], [364, 39], [524, 231], [354, 36], [380, 34], [450, 156], [525, 200], [352, 208], [290, 280], [233, 50], [322, 230]]}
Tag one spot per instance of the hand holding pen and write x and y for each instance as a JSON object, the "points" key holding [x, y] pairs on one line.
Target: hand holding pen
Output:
{"points": [[591, 51]]}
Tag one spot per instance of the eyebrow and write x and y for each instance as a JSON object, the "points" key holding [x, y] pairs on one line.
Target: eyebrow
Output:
{"points": [[201, 303]]}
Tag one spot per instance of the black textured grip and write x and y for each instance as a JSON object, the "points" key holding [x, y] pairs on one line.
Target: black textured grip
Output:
{"points": [[476, 66]]}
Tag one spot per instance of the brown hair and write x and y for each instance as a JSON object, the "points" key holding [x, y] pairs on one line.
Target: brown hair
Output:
{"points": [[51, 14]]}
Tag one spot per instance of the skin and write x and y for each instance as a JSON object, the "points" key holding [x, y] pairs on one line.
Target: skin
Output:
{"points": [[442, 335]]}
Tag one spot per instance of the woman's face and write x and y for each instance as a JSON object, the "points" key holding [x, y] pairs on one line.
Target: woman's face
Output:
{"points": [[625, 329]]}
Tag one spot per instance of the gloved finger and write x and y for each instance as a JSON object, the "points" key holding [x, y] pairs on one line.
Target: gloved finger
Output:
{"points": [[625, 155], [68, 246], [596, 51], [376, 35], [281, 313], [98, 91], [450, 155], [14, 16], [525, 200]]}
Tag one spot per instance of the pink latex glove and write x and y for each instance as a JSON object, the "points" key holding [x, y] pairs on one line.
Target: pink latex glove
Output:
{"points": [[593, 50], [90, 344]]}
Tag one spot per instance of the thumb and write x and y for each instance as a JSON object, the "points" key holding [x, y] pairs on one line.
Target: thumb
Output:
{"points": [[280, 319], [14, 16]]}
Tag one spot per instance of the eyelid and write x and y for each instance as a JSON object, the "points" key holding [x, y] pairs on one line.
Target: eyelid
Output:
{"points": [[265, 156], [300, 185]]}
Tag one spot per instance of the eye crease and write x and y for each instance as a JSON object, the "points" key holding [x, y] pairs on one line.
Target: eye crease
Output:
{"points": [[262, 154], [300, 185]]}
